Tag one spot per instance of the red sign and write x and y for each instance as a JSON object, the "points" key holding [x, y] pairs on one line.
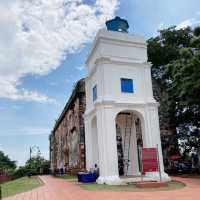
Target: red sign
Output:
{"points": [[149, 160]]}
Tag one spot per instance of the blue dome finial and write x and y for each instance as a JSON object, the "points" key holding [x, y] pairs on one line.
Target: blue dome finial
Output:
{"points": [[117, 24]]}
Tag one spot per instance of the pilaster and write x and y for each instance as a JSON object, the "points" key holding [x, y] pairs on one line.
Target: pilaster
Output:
{"points": [[88, 142], [107, 146]]}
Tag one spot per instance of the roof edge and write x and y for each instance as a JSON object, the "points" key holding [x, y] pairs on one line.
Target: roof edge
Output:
{"points": [[75, 91]]}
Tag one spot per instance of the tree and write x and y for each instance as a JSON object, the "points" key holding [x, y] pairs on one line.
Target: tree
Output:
{"points": [[175, 56], [184, 73], [37, 165], [6, 163]]}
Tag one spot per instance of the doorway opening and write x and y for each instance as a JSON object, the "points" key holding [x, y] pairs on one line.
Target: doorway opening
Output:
{"points": [[129, 142]]}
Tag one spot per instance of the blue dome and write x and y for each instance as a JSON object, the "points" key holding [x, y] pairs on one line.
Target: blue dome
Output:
{"points": [[117, 24]]}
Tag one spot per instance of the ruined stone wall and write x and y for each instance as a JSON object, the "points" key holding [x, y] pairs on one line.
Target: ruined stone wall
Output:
{"points": [[82, 106], [68, 147], [67, 141]]}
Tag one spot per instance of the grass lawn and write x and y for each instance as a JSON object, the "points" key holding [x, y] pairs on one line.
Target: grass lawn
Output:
{"points": [[19, 185], [130, 188], [68, 177]]}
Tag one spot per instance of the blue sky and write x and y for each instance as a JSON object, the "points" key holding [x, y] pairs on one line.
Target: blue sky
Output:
{"points": [[45, 59]]}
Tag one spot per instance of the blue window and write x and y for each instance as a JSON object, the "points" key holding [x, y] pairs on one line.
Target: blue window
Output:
{"points": [[126, 85], [94, 90]]}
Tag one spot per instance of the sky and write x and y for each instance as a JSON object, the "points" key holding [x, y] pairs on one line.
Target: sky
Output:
{"points": [[43, 48]]}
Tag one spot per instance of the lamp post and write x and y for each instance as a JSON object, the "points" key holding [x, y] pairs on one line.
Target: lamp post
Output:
{"points": [[34, 149]]}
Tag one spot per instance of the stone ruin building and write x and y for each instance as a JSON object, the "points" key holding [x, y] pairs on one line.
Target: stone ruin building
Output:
{"points": [[72, 146], [67, 139]]}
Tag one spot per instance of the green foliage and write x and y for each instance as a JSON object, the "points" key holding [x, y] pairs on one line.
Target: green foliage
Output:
{"points": [[37, 163], [197, 31], [20, 172], [175, 56], [6, 163]]}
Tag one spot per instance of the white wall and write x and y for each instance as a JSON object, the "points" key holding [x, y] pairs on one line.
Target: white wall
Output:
{"points": [[95, 148], [114, 56], [112, 85], [119, 45]]}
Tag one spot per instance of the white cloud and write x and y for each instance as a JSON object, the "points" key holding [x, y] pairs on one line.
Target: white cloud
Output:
{"points": [[8, 89], [36, 35], [36, 131], [80, 68], [27, 131], [161, 26], [188, 22]]}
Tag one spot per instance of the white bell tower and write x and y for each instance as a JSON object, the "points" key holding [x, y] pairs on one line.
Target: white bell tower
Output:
{"points": [[118, 80]]}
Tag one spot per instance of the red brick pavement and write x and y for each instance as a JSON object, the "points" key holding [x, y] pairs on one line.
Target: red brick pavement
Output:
{"points": [[59, 189]]}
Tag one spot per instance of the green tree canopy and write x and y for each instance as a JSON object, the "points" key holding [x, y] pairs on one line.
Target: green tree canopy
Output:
{"points": [[175, 56], [6, 163], [36, 163]]}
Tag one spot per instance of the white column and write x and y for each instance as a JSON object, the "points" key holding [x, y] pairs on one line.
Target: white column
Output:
{"points": [[134, 155], [152, 139], [108, 161], [94, 144], [88, 142]]}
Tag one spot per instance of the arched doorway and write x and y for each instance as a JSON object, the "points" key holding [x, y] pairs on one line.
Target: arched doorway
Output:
{"points": [[129, 141], [95, 149]]}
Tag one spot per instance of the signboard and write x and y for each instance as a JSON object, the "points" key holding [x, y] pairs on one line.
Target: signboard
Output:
{"points": [[149, 160]]}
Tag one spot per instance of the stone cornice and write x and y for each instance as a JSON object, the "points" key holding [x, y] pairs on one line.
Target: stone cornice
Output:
{"points": [[122, 61], [115, 38], [112, 103], [119, 61]]}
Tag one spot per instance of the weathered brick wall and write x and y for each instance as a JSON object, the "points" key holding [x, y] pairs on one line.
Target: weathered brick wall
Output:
{"points": [[68, 143], [82, 106]]}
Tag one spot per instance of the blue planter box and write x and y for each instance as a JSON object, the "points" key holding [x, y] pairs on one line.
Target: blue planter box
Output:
{"points": [[84, 177]]}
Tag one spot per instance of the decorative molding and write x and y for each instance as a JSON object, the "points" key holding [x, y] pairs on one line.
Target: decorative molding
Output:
{"points": [[115, 38], [118, 61], [114, 104], [103, 60]]}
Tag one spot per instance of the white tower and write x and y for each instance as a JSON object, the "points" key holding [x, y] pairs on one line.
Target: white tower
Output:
{"points": [[119, 83]]}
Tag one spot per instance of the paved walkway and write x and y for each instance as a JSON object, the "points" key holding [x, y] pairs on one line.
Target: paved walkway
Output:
{"points": [[59, 189]]}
